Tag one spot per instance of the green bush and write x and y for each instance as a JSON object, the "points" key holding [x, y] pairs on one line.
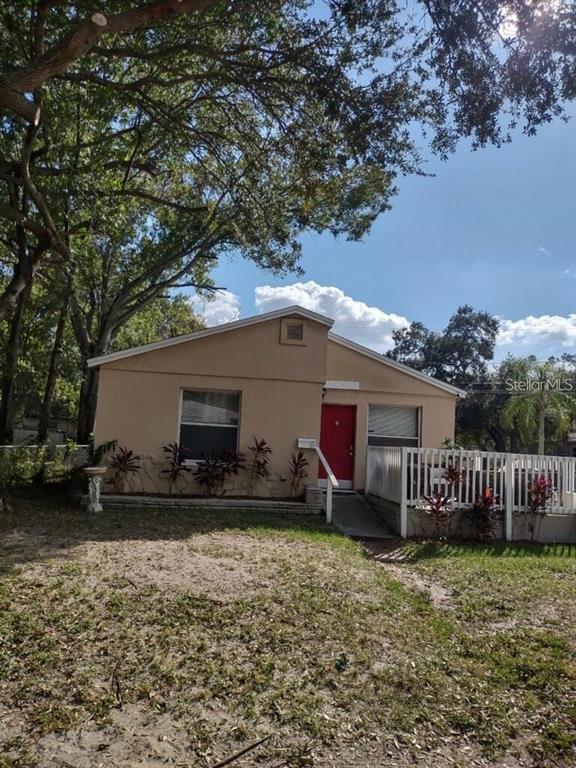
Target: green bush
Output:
{"points": [[23, 465]]}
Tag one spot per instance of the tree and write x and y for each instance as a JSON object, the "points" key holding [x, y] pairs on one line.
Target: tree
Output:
{"points": [[541, 397], [49, 366], [171, 132], [197, 138], [328, 97], [458, 355], [479, 417]]}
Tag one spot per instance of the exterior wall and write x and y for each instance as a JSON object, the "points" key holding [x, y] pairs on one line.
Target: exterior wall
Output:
{"points": [[381, 385], [252, 352], [552, 529], [280, 397], [387, 511], [281, 394]]}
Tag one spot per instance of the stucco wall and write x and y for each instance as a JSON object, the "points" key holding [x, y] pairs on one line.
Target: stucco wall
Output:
{"points": [[381, 385], [280, 396], [549, 528]]}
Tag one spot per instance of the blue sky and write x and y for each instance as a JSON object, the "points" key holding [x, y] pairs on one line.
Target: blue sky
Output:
{"points": [[495, 228]]}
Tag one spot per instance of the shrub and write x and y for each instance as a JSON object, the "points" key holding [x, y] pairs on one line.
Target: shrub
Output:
{"points": [[20, 465], [452, 474], [440, 506], [485, 514], [176, 469], [97, 452], [258, 468], [213, 471], [540, 494], [23, 465], [123, 464], [297, 469]]}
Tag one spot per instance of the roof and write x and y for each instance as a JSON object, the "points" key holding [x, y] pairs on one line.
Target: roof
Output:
{"points": [[291, 311], [367, 352]]}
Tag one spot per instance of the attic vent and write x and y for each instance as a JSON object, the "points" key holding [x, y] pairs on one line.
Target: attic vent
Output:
{"points": [[294, 331]]}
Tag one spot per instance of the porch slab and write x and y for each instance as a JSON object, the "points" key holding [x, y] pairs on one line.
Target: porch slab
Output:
{"points": [[354, 517]]}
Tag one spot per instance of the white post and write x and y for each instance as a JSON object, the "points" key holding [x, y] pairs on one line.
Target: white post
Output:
{"points": [[509, 496], [331, 483], [328, 500], [404, 493]]}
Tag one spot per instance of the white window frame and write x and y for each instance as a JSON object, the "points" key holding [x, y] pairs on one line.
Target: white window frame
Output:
{"points": [[194, 462]]}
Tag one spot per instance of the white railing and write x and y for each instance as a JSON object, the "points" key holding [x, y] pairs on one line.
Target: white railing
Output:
{"points": [[405, 475], [331, 483], [384, 473]]}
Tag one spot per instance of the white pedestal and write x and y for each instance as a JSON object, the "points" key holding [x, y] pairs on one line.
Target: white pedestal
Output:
{"points": [[94, 479]]}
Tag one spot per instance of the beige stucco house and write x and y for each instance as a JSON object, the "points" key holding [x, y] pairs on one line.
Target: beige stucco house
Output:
{"points": [[282, 377]]}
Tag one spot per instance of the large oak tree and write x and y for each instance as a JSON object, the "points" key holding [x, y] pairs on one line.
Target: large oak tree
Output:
{"points": [[138, 141]]}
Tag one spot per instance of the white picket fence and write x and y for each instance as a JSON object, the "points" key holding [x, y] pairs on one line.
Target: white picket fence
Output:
{"points": [[405, 475]]}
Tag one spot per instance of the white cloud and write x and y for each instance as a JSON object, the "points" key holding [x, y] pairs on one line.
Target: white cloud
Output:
{"points": [[220, 307], [544, 335], [354, 319]]}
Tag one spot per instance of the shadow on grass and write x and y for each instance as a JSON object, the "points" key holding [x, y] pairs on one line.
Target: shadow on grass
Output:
{"points": [[45, 524], [436, 550]]}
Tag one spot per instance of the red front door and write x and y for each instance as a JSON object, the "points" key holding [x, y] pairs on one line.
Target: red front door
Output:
{"points": [[337, 431]]}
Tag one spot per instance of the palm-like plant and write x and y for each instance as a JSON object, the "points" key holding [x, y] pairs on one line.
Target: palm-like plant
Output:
{"points": [[542, 402]]}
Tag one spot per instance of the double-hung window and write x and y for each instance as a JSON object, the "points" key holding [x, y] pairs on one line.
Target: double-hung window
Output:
{"points": [[209, 423]]}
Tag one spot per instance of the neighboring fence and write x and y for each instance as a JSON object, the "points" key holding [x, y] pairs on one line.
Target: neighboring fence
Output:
{"points": [[405, 475]]}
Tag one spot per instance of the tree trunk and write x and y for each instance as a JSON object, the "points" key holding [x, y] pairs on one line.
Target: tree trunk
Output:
{"points": [[89, 388], [12, 355], [498, 439], [21, 280], [53, 368], [87, 405]]}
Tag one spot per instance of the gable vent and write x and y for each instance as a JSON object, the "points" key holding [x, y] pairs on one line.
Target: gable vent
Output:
{"points": [[295, 331]]}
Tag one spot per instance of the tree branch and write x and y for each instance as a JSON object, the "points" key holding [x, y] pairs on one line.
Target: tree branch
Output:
{"points": [[77, 43], [12, 214], [191, 210]]}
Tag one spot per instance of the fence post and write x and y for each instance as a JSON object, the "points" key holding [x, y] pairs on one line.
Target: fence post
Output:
{"points": [[328, 500], [404, 492], [509, 496]]}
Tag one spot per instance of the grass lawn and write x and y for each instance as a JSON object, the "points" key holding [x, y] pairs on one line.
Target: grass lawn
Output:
{"points": [[166, 638]]}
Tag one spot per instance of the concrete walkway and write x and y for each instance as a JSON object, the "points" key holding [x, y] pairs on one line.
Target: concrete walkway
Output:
{"points": [[352, 515]]}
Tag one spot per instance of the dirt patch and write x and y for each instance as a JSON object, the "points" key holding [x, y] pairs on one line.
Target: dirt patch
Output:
{"points": [[170, 639], [216, 566], [440, 597], [135, 736]]}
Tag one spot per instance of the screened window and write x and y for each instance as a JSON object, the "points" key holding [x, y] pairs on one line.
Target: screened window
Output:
{"points": [[393, 425], [209, 423]]}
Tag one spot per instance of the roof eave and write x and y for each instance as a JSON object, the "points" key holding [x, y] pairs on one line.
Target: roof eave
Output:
{"points": [[367, 352], [94, 362]]}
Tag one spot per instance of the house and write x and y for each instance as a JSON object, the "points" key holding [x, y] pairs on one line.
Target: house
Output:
{"points": [[283, 377]]}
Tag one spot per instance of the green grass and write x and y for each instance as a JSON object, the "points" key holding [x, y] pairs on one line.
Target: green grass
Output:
{"points": [[300, 636]]}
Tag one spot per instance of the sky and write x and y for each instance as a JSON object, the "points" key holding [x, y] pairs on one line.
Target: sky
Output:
{"points": [[494, 228]]}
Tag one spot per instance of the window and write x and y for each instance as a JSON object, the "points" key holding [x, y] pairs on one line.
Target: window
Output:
{"points": [[393, 425], [292, 331], [209, 423]]}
